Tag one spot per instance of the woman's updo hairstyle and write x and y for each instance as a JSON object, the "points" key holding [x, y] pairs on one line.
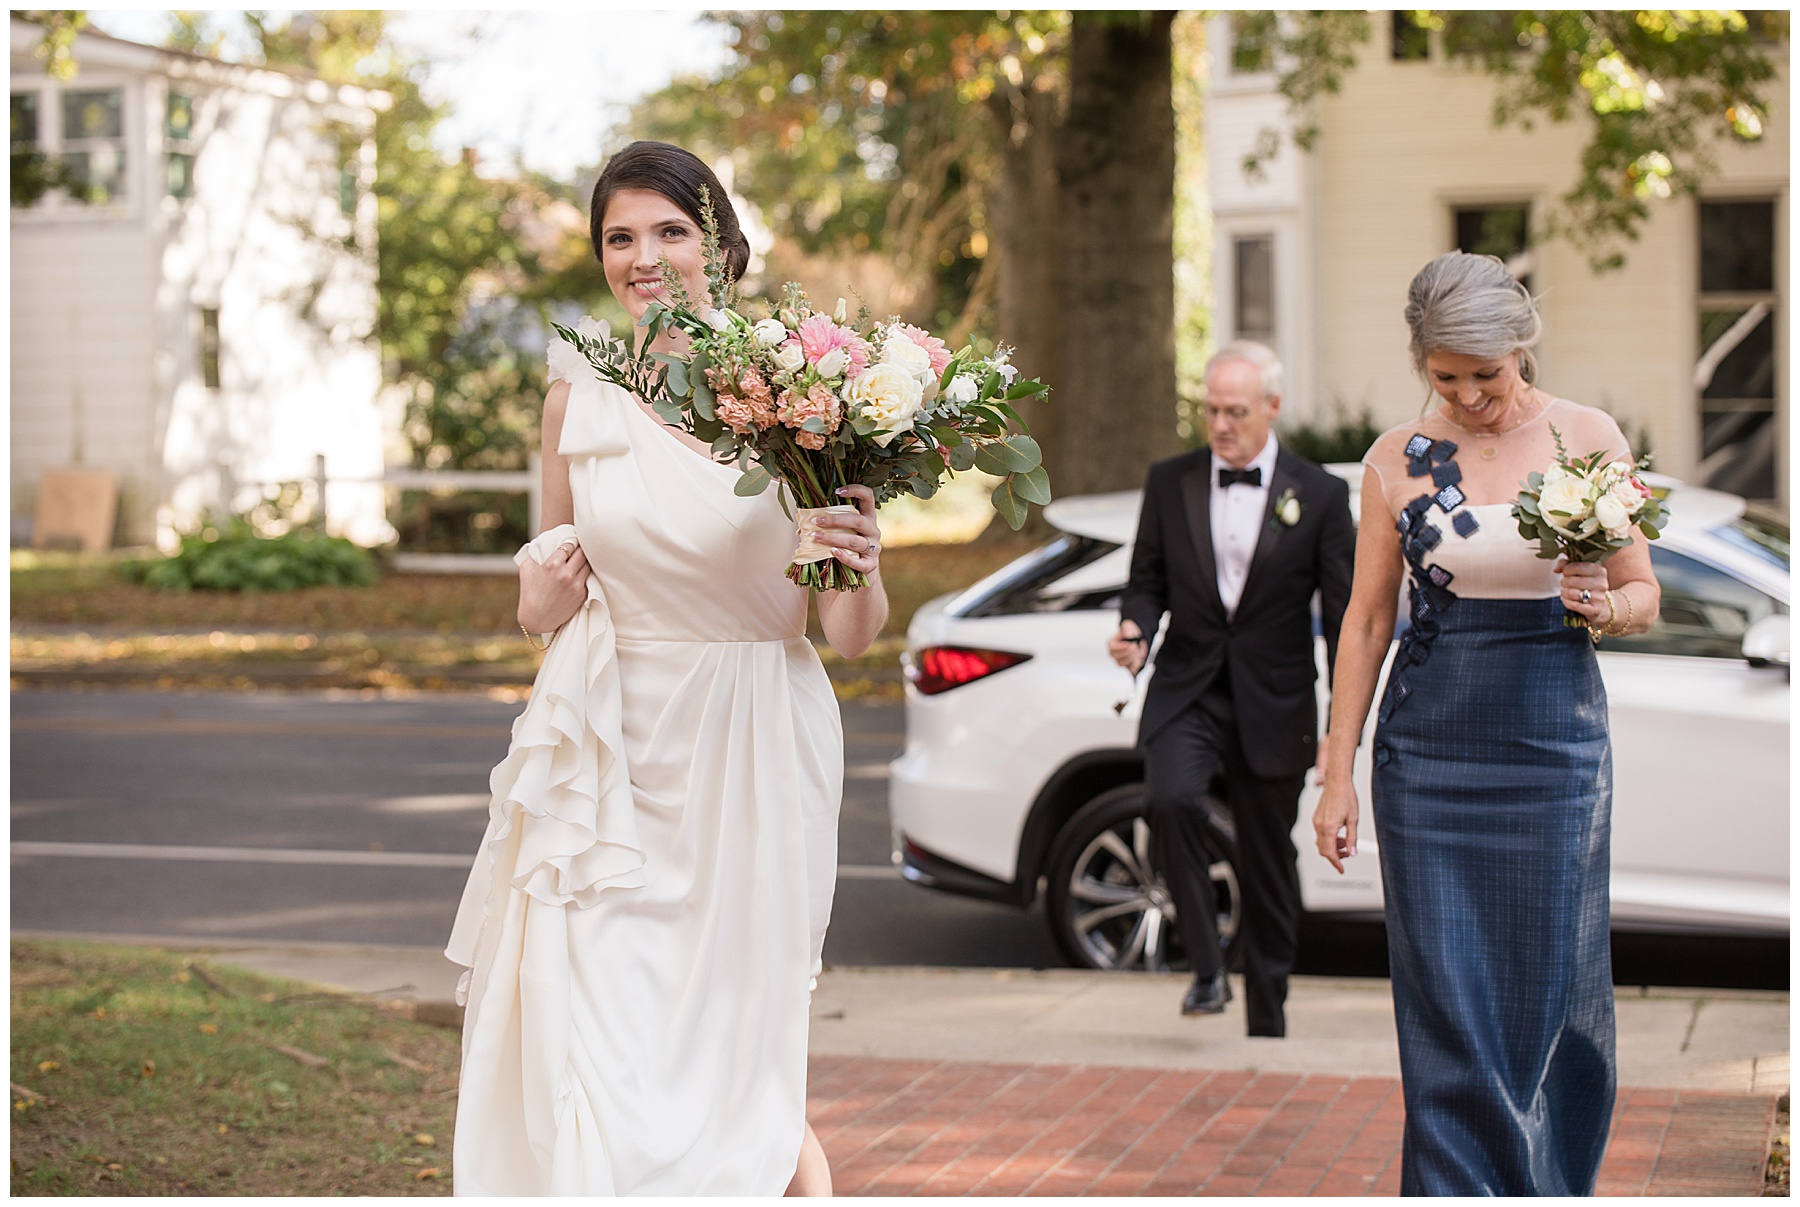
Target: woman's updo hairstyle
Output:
{"points": [[678, 175], [1472, 306]]}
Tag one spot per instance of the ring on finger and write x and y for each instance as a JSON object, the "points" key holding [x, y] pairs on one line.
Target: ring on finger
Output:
{"points": [[1585, 595]]}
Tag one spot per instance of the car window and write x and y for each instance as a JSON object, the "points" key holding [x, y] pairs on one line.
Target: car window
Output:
{"points": [[1705, 611], [1760, 536], [1019, 586]]}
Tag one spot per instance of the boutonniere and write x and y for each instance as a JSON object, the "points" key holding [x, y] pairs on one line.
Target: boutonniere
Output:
{"points": [[1288, 508]]}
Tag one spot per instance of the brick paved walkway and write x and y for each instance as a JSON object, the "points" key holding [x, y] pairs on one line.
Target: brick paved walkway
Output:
{"points": [[896, 1127]]}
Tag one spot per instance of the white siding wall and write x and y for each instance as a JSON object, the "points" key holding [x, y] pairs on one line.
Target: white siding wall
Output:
{"points": [[1403, 144], [106, 307]]}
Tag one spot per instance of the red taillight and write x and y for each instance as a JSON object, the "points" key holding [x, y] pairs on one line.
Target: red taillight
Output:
{"points": [[938, 668]]}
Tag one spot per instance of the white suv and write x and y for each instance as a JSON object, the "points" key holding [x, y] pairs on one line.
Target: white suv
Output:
{"points": [[1020, 769]]}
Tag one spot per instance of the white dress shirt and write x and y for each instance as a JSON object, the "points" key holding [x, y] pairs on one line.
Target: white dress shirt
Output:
{"points": [[1237, 513]]}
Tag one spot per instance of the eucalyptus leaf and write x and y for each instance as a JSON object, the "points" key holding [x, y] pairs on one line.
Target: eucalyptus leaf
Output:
{"points": [[1025, 389], [1033, 485], [703, 399], [962, 456], [754, 481], [1011, 507], [990, 459]]}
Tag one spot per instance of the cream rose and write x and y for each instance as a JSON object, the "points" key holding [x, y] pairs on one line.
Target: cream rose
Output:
{"points": [[595, 329], [790, 357], [962, 389], [903, 353], [718, 320], [832, 364], [890, 396], [1570, 495], [1626, 493], [1612, 516], [769, 332]]}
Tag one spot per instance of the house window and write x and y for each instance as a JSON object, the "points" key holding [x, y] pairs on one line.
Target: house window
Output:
{"points": [[93, 145], [209, 347], [1253, 36], [1477, 32], [1736, 374], [1497, 230], [178, 133], [1411, 40], [1253, 276], [31, 171]]}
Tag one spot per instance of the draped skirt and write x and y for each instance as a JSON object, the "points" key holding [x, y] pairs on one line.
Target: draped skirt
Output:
{"points": [[1492, 801]]}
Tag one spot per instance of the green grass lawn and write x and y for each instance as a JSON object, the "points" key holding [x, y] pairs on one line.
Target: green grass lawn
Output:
{"points": [[138, 1071]]}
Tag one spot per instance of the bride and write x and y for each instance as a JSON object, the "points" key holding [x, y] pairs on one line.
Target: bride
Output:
{"points": [[648, 908]]}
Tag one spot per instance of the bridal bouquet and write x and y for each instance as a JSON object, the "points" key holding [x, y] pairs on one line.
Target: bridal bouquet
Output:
{"points": [[1584, 509], [815, 401]]}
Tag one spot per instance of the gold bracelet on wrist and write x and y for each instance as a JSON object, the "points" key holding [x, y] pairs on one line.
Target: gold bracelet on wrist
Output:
{"points": [[528, 641], [1626, 627], [1612, 614]]}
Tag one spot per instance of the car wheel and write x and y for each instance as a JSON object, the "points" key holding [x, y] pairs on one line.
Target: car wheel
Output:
{"points": [[1109, 908]]}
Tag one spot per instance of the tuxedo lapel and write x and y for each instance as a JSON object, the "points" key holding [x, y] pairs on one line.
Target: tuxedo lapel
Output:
{"points": [[1271, 530], [1196, 500]]}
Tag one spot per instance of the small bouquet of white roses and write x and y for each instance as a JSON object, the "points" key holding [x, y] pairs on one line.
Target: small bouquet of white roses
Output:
{"points": [[815, 402], [1585, 509]]}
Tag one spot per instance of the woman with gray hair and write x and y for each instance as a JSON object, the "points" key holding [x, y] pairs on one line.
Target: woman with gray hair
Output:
{"points": [[1492, 787]]}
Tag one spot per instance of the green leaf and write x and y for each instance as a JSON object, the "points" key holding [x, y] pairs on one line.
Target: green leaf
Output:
{"points": [[703, 399], [1033, 485], [677, 379], [992, 459], [962, 456], [921, 487], [1026, 389], [1651, 532], [1011, 507], [754, 481], [1025, 452]]}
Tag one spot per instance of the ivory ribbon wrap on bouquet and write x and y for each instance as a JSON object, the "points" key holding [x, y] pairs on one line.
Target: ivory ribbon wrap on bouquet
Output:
{"points": [[810, 549]]}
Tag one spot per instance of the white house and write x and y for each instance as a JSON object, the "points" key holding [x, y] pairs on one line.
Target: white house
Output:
{"points": [[196, 311], [1686, 344]]}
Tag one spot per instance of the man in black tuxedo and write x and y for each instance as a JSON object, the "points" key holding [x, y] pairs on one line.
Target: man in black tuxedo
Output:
{"points": [[1232, 542]]}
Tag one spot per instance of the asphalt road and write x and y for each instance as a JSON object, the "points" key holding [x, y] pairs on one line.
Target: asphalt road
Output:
{"points": [[303, 816]]}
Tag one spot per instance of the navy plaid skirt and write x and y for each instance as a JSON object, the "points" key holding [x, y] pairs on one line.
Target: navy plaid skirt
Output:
{"points": [[1492, 802]]}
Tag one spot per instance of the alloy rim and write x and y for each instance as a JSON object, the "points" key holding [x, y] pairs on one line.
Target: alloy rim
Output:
{"points": [[1122, 913]]}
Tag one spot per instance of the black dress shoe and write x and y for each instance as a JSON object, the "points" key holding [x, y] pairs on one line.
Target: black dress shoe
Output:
{"points": [[1207, 996]]}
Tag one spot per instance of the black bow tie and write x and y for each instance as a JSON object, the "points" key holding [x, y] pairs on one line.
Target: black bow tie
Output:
{"points": [[1249, 477]]}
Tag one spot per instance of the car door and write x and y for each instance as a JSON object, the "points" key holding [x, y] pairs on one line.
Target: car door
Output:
{"points": [[1700, 769]]}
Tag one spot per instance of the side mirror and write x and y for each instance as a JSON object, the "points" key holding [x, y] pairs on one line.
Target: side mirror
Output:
{"points": [[1766, 642]]}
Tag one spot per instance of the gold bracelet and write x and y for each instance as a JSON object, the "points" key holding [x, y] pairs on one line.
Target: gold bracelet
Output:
{"points": [[1626, 627], [1612, 614], [528, 641]]}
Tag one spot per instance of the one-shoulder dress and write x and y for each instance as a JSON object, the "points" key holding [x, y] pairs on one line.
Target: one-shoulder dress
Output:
{"points": [[648, 907], [1492, 798]]}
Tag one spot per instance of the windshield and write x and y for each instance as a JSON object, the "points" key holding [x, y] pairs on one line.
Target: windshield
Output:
{"points": [[1762, 536]]}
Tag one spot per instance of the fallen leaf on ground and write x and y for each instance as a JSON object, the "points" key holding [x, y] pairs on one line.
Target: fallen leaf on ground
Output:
{"points": [[425, 1138], [114, 1165], [223, 1129], [209, 1028], [432, 1172], [49, 1066], [184, 977], [147, 1069]]}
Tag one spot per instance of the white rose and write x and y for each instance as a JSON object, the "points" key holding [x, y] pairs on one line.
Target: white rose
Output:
{"points": [[718, 320], [890, 396], [962, 389], [595, 329], [1612, 516], [832, 363], [1289, 511], [770, 332], [1612, 474], [789, 358], [1007, 373], [1570, 495], [904, 354], [841, 315]]}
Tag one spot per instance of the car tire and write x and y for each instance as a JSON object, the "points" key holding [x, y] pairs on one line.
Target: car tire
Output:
{"points": [[1109, 908]]}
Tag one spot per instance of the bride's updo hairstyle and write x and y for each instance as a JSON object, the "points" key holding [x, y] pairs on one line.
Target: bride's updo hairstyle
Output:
{"points": [[1472, 306], [678, 175]]}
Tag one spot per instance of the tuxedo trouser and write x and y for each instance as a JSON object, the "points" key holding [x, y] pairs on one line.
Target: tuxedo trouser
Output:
{"points": [[1179, 764]]}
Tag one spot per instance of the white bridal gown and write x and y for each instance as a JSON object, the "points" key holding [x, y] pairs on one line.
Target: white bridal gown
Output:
{"points": [[649, 904]]}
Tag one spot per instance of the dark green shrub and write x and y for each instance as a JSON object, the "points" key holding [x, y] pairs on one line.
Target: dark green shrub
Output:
{"points": [[1346, 440], [231, 557]]}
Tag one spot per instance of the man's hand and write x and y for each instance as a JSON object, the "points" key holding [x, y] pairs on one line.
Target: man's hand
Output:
{"points": [[1128, 647]]}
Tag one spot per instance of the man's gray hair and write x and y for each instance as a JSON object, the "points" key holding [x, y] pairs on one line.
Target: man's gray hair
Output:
{"points": [[1472, 306], [1259, 356]]}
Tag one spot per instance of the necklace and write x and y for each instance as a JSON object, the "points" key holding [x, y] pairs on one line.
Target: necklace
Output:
{"points": [[1489, 452]]}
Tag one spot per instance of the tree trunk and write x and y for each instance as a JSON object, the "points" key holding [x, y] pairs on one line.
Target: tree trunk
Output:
{"points": [[1115, 407], [1084, 216]]}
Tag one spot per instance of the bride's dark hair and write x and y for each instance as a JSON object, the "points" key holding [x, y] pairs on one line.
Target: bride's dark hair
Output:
{"points": [[678, 175]]}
